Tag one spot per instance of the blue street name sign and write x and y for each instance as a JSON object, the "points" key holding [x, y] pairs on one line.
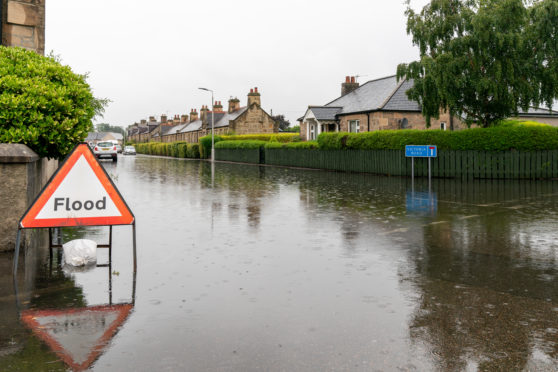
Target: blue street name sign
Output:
{"points": [[421, 151]]}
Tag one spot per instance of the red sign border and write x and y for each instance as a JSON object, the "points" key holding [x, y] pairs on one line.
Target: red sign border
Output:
{"points": [[29, 220], [27, 316]]}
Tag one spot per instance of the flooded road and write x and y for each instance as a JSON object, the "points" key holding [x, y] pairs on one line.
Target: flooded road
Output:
{"points": [[275, 269]]}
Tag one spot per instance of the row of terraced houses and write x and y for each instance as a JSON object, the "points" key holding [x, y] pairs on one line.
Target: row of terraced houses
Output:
{"points": [[189, 128], [375, 105]]}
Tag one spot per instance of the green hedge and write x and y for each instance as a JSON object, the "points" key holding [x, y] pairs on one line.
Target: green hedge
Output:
{"points": [[205, 145], [292, 145], [500, 138], [174, 149], [269, 137], [247, 144]]}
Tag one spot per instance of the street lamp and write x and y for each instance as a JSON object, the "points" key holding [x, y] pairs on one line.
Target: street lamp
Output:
{"points": [[212, 125]]}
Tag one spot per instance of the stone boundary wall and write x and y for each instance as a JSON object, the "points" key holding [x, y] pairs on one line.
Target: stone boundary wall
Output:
{"points": [[23, 175], [23, 24]]}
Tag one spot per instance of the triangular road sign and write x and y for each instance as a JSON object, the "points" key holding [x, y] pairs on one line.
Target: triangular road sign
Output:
{"points": [[80, 193], [77, 336]]}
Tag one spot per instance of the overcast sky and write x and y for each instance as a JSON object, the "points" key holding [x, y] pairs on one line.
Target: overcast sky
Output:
{"points": [[149, 57]]}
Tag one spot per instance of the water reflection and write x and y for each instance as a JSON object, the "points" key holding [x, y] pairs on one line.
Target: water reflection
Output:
{"points": [[263, 268]]}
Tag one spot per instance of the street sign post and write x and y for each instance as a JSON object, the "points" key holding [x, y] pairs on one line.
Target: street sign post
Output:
{"points": [[421, 151], [80, 193]]}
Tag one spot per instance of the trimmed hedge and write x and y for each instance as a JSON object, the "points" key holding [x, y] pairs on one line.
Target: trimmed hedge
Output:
{"points": [[205, 145], [247, 144], [292, 145], [501, 138], [270, 137], [174, 149]]}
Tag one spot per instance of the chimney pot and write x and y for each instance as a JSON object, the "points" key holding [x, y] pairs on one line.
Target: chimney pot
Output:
{"points": [[352, 79], [251, 90], [347, 79], [256, 89]]}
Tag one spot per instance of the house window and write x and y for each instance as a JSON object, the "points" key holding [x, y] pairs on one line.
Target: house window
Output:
{"points": [[404, 123], [443, 126], [312, 132], [354, 126]]}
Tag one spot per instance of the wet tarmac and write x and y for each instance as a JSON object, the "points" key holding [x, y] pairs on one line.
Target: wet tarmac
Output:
{"points": [[275, 269]]}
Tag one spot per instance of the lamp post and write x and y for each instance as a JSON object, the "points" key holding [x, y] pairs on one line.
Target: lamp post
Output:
{"points": [[212, 125]]}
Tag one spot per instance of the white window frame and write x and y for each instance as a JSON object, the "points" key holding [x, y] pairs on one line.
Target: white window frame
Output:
{"points": [[312, 132], [357, 126], [443, 125]]}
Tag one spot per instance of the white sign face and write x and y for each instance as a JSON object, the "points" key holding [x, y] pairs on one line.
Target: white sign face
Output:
{"points": [[80, 195]]}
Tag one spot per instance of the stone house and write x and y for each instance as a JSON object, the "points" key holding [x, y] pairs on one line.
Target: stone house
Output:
{"points": [[375, 105], [383, 104], [249, 119], [22, 24], [97, 137]]}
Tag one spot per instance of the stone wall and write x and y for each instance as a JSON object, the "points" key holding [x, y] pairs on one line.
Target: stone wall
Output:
{"points": [[381, 120], [23, 175], [23, 24], [254, 120]]}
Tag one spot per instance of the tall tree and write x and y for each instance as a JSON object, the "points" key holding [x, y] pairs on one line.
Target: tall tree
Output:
{"points": [[283, 123], [104, 127], [482, 60]]}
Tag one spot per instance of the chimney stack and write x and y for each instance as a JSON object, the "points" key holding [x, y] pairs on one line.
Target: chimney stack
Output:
{"points": [[203, 113], [143, 123], [193, 115], [218, 107], [152, 119], [163, 118], [234, 105], [254, 97], [349, 85], [184, 119]]}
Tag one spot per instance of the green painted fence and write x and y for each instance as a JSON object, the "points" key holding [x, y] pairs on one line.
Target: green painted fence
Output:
{"points": [[255, 156], [448, 164]]}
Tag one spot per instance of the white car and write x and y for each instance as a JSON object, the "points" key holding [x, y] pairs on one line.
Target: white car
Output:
{"points": [[105, 150], [129, 150]]}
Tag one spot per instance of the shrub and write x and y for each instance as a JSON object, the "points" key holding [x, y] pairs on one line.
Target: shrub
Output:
{"points": [[43, 104], [279, 137], [292, 145], [205, 145], [193, 151], [248, 144], [525, 137]]}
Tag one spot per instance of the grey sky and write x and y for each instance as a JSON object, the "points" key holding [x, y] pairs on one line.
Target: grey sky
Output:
{"points": [[149, 58]]}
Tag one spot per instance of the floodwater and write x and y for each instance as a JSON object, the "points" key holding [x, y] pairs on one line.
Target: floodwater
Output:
{"points": [[275, 269]]}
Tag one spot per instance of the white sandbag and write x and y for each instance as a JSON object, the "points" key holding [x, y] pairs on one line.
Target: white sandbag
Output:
{"points": [[80, 252]]}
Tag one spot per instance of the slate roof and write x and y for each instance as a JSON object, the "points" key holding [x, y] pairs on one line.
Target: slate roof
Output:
{"points": [[325, 113], [226, 117], [533, 111], [165, 129], [193, 126], [370, 96], [399, 100]]}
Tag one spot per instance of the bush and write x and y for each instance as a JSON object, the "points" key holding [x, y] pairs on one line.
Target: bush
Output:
{"points": [[193, 151], [248, 144], [279, 137], [292, 145], [523, 137], [205, 145], [43, 104]]}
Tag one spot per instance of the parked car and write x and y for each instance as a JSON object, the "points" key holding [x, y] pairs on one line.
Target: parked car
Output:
{"points": [[129, 150], [104, 150], [119, 149]]}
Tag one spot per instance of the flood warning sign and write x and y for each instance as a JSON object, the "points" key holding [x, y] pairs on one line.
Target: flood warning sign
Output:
{"points": [[79, 194]]}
